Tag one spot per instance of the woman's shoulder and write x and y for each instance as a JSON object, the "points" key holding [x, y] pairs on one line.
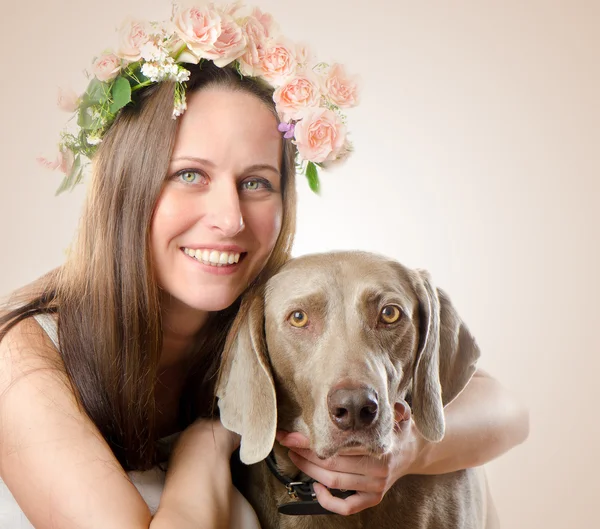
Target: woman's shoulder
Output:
{"points": [[27, 347], [47, 439]]}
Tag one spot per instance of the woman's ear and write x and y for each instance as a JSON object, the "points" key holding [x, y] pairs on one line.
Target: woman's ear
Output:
{"points": [[246, 391]]}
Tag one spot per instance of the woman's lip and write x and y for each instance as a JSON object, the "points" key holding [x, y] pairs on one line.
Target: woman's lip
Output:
{"points": [[218, 247], [219, 270], [225, 269], [241, 257]]}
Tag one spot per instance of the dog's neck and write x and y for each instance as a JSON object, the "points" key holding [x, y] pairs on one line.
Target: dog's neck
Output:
{"points": [[285, 465]]}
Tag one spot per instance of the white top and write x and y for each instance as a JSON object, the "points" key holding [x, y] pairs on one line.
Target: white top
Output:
{"points": [[149, 483]]}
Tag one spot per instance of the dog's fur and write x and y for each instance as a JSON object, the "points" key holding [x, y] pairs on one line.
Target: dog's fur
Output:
{"points": [[276, 375]]}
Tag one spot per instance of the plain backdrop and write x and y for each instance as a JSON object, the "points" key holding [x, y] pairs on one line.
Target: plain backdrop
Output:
{"points": [[477, 157]]}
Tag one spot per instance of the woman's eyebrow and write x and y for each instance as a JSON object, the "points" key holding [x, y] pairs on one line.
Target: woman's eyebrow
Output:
{"points": [[260, 167], [255, 167], [193, 159]]}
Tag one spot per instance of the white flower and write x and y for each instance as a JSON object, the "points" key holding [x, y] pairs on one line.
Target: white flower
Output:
{"points": [[150, 52], [93, 140], [151, 71], [180, 106], [182, 75]]}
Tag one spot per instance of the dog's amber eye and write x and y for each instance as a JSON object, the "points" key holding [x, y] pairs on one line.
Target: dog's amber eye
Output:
{"points": [[390, 314], [298, 318]]}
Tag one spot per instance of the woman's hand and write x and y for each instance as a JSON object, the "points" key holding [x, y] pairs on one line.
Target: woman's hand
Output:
{"points": [[482, 423], [371, 477]]}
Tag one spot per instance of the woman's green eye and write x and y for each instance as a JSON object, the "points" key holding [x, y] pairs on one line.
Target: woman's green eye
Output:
{"points": [[251, 185], [256, 184], [189, 177]]}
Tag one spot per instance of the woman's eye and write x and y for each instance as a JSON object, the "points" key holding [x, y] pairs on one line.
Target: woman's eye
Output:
{"points": [[256, 183], [190, 177], [390, 314]]}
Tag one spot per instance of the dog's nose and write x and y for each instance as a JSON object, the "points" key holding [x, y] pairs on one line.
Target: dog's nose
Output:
{"points": [[352, 408]]}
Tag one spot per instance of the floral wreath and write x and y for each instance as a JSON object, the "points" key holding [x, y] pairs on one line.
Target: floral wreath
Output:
{"points": [[309, 95]]}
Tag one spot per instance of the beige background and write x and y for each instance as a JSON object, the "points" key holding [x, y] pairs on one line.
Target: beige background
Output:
{"points": [[477, 157]]}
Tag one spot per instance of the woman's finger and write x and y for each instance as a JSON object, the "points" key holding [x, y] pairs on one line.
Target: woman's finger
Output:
{"points": [[364, 465], [292, 439], [350, 505], [339, 480]]}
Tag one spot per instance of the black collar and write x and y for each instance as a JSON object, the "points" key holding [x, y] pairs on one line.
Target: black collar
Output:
{"points": [[302, 492]]}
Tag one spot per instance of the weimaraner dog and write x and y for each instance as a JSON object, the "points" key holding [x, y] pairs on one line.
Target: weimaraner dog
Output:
{"points": [[330, 346]]}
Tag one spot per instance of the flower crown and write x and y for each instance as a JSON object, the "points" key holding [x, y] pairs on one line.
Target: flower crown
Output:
{"points": [[309, 96]]}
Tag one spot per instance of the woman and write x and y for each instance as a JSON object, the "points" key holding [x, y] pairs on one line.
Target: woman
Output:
{"points": [[105, 360]]}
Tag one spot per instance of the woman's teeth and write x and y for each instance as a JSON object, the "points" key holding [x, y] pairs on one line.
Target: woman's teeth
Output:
{"points": [[213, 257]]}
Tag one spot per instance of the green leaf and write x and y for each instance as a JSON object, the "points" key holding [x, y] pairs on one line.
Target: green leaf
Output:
{"points": [[121, 94], [84, 118], [136, 77], [312, 176], [73, 178], [97, 93]]}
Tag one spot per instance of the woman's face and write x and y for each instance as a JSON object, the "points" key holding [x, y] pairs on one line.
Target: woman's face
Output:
{"points": [[219, 215]]}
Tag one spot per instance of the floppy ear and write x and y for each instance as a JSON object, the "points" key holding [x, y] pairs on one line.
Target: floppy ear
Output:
{"points": [[446, 358], [246, 391]]}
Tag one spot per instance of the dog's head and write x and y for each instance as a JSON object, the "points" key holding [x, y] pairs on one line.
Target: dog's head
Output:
{"points": [[331, 345]]}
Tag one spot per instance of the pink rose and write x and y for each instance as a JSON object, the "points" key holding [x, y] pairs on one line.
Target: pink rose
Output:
{"points": [[199, 28], [256, 29], [50, 164], [266, 21], [67, 99], [233, 9], [320, 135], [341, 157], [64, 161], [173, 44], [132, 36], [304, 57], [106, 67], [341, 89], [277, 62], [230, 44], [297, 95]]}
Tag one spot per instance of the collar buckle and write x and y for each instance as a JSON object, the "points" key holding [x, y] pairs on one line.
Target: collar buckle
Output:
{"points": [[301, 492], [291, 489]]}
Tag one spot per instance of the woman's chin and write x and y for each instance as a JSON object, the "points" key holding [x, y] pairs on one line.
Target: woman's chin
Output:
{"points": [[203, 303]]}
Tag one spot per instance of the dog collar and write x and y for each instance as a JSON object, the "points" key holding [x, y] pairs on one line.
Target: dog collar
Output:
{"points": [[302, 492]]}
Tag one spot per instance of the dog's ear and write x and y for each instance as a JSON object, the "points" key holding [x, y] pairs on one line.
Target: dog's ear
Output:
{"points": [[246, 391], [446, 358]]}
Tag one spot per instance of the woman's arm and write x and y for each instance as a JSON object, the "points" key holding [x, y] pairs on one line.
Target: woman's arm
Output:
{"points": [[482, 423], [61, 471], [198, 488]]}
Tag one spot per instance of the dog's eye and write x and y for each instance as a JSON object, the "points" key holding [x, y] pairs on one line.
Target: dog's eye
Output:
{"points": [[298, 318], [390, 314]]}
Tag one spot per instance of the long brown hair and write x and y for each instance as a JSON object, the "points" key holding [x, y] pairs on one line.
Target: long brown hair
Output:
{"points": [[106, 296]]}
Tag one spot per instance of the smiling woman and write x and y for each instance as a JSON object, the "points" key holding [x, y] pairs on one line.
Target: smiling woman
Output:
{"points": [[181, 218]]}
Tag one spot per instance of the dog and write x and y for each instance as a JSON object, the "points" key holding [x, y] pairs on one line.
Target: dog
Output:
{"points": [[329, 347]]}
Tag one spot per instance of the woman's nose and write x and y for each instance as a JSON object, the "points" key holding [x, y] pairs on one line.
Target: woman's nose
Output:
{"points": [[225, 214]]}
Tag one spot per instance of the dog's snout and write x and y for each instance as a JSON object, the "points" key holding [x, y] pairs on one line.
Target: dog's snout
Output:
{"points": [[352, 408]]}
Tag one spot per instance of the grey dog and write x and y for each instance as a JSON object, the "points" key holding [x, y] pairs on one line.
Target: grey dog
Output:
{"points": [[330, 347]]}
